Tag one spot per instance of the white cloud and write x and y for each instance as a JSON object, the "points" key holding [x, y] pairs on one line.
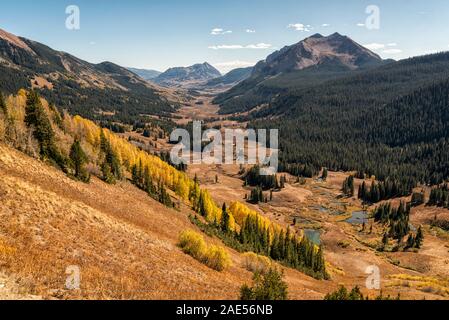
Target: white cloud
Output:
{"points": [[238, 46], [392, 51], [374, 46], [300, 27], [393, 44], [360, 24], [325, 25], [219, 31], [225, 67], [250, 31]]}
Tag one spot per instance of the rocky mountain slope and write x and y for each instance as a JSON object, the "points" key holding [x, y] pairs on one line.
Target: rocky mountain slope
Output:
{"points": [[306, 63], [92, 90], [187, 76]]}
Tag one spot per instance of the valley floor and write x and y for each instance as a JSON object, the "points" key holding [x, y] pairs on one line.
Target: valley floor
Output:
{"points": [[318, 207]]}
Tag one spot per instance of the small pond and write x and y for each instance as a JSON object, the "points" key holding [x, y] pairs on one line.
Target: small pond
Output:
{"points": [[358, 217], [313, 235]]}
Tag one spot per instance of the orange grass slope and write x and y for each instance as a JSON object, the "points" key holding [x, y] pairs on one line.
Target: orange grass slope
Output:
{"points": [[124, 243]]}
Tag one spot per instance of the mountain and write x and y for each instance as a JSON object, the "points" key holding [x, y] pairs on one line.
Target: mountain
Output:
{"points": [[97, 91], [334, 51], [145, 74], [232, 78], [389, 122], [187, 76], [308, 62]]}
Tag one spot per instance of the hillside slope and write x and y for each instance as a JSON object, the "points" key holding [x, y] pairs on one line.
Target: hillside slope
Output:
{"points": [[304, 64], [123, 241], [96, 91]]}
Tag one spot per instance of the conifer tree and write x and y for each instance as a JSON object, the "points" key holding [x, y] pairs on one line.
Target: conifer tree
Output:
{"points": [[79, 158], [3, 106], [419, 238], [110, 167], [325, 174], [348, 186], [225, 220], [410, 241], [37, 119], [268, 286]]}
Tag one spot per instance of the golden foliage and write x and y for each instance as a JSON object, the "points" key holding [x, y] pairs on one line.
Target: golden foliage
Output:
{"points": [[214, 257], [6, 250], [257, 263], [241, 212]]}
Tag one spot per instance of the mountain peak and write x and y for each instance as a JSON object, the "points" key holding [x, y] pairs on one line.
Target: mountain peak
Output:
{"points": [[182, 76], [316, 36], [335, 35], [335, 50], [15, 40]]}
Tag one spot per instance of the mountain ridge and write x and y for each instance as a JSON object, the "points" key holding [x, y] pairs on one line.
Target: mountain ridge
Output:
{"points": [[188, 76], [80, 85], [312, 60]]}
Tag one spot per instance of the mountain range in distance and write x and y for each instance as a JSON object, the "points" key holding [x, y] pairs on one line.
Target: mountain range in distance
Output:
{"points": [[97, 91], [199, 76], [146, 74], [187, 77]]}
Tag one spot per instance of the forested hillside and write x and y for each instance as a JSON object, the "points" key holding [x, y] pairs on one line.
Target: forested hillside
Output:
{"points": [[390, 122], [102, 91]]}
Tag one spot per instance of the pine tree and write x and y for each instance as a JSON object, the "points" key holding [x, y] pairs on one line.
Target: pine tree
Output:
{"points": [[410, 241], [419, 238], [3, 106], [225, 220], [348, 186], [79, 158], [268, 286], [110, 168], [37, 119], [385, 240], [325, 174]]}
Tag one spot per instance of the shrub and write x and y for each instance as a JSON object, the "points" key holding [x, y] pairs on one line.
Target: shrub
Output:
{"points": [[217, 258], [193, 244], [256, 263], [268, 286]]}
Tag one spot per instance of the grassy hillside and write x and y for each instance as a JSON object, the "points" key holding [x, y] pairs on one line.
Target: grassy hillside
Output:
{"points": [[51, 218]]}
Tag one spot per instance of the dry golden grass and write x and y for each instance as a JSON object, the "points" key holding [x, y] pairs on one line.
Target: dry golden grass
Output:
{"points": [[124, 243], [434, 285]]}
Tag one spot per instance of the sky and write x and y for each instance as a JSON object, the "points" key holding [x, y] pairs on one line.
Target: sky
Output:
{"points": [[159, 34]]}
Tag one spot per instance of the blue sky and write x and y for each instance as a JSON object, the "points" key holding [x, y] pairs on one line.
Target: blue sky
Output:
{"points": [[158, 34]]}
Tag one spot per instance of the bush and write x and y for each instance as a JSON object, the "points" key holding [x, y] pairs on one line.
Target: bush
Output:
{"points": [[268, 286], [193, 244], [217, 258], [256, 263]]}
